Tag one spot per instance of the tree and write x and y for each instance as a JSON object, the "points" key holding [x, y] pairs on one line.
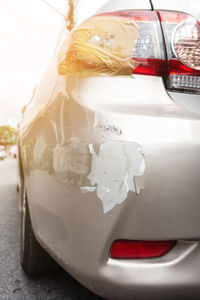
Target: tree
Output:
{"points": [[8, 135]]}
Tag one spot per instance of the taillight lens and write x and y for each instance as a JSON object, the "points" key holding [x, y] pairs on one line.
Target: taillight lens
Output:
{"points": [[182, 36], [186, 44], [116, 43], [127, 249], [149, 47], [126, 42]]}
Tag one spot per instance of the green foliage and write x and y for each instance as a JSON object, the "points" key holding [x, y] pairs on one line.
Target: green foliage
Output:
{"points": [[8, 135]]}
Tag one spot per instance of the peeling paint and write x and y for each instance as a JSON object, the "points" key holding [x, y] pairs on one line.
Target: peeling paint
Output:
{"points": [[86, 189], [114, 170], [110, 169]]}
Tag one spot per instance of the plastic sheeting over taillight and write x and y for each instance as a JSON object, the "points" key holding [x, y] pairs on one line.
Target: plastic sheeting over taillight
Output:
{"points": [[127, 249], [117, 43], [100, 46]]}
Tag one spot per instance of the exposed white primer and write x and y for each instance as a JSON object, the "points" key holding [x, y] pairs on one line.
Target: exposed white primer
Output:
{"points": [[86, 189], [113, 170]]}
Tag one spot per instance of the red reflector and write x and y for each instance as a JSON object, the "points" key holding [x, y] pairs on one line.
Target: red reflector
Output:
{"points": [[137, 15], [125, 249], [176, 67], [150, 66], [172, 17]]}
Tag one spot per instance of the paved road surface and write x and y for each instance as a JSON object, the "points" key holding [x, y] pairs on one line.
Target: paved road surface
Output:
{"points": [[13, 282]]}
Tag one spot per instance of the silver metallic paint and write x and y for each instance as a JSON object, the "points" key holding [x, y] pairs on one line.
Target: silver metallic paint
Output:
{"points": [[63, 119], [71, 224]]}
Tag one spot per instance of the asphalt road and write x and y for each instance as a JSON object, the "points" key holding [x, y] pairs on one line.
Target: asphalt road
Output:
{"points": [[14, 284]]}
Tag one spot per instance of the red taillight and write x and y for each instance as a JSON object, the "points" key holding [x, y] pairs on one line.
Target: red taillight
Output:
{"points": [[162, 43], [182, 39], [150, 66], [126, 249], [172, 17], [114, 43], [135, 15], [176, 67], [149, 47]]}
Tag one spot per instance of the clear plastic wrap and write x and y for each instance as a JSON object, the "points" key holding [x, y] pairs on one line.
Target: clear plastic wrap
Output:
{"points": [[102, 45]]}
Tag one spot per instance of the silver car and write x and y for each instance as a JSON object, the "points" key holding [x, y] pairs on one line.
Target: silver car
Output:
{"points": [[109, 149]]}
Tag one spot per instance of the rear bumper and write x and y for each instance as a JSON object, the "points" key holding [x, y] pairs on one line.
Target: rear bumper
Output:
{"points": [[173, 276]]}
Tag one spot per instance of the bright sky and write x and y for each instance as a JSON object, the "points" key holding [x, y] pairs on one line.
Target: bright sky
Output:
{"points": [[29, 31]]}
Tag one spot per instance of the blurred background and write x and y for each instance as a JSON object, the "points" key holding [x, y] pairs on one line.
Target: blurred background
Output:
{"points": [[29, 31]]}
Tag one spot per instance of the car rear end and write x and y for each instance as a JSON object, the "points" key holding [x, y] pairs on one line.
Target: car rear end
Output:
{"points": [[125, 165]]}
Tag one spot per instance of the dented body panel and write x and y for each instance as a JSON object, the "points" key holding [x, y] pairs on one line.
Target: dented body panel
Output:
{"points": [[108, 158], [92, 143]]}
